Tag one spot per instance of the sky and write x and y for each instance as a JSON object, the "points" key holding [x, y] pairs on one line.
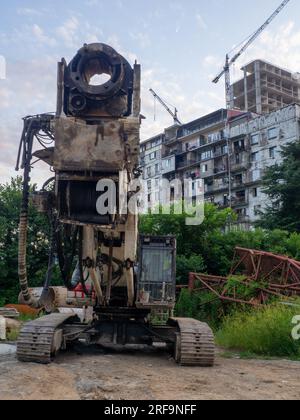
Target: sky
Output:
{"points": [[181, 45]]}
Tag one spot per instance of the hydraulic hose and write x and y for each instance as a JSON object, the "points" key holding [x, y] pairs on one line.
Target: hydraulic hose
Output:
{"points": [[23, 226]]}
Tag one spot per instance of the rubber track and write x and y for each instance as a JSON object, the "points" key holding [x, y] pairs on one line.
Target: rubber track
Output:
{"points": [[36, 338], [196, 343]]}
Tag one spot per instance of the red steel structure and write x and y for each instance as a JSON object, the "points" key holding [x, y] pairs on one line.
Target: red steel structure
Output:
{"points": [[263, 273]]}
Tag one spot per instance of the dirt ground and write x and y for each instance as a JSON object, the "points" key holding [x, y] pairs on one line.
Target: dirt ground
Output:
{"points": [[95, 375]]}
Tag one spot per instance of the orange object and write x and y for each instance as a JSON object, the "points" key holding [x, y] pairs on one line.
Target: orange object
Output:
{"points": [[25, 310]]}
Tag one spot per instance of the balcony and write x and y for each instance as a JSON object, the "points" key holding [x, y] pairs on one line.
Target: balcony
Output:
{"points": [[186, 164], [170, 153], [220, 170], [238, 184], [216, 188], [244, 164], [239, 201], [219, 153]]}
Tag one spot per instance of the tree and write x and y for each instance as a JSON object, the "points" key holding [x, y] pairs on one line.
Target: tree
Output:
{"points": [[190, 239], [38, 245], [282, 185]]}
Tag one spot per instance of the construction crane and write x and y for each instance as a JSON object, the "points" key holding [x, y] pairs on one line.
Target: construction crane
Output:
{"points": [[229, 62], [173, 114]]}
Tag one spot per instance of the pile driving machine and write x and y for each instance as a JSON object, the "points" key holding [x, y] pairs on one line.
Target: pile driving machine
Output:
{"points": [[124, 284]]}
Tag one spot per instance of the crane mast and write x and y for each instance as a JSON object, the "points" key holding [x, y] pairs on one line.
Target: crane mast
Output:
{"points": [[230, 62], [174, 114]]}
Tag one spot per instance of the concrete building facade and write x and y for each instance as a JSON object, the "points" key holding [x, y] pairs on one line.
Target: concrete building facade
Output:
{"points": [[263, 138], [151, 162], [265, 88], [228, 150]]}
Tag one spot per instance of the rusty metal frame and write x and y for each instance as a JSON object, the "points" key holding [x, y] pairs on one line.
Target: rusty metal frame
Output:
{"points": [[279, 276]]}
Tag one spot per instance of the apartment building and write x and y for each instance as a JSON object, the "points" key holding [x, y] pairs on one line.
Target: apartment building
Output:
{"points": [[199, 150], [265, 88], [151, 162], [259, 141], [228, 150]]}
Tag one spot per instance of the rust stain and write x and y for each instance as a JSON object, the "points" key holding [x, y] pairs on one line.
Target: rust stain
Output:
{"points": [[100, 132]]}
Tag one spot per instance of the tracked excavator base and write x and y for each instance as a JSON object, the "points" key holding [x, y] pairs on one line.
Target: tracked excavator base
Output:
{"points": [[40, 340], [194, 343], [191, 340]]}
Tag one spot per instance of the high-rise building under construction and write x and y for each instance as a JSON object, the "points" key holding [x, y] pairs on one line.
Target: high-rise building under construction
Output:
{"points": [[264, 88]]}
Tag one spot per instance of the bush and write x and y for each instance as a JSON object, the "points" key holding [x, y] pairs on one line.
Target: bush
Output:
{"points": [[186, 265], [202, 306], [265, 331]]}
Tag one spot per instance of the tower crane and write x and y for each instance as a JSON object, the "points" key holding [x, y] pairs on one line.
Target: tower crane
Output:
{"points": [[173, 114], [230, 61]]}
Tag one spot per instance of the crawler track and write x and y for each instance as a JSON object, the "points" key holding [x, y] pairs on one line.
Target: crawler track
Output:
{"points": [[37, 340], [195, 343]]}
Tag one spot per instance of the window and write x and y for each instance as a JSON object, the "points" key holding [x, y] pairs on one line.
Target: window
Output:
{"points": [[254, 139], [157, 183], [157, 168], [256, 175], [254, 157], [149, 185], [217, 136], [273, 133], [206, 155], [157, 196], [202, 140], [187, 146], [168, 163], [225, 200], [257, 210], [255, 192], [153, 156], [204, 169], [239, 146], [224, 150], [149, 171], [272, 152]]}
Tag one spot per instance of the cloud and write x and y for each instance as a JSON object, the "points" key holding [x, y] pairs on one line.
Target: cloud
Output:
{"points": [[211, 61], [41, 37], [24, 11], [141, 38], [67, 32], [31, 85], [201, 22], [280, 47]]}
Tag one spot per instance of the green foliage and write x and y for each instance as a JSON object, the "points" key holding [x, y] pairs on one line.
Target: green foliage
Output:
{"points": [[264, 331], [214, 242], [281, 183], [38, 233], [236, 285], [186, 265], [190, 239], [203, 306]]}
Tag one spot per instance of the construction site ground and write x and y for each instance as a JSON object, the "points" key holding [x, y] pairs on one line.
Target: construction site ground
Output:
{"points": [[101, 375]]}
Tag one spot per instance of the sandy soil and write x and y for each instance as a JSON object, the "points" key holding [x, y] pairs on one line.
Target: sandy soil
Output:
{"points": [[97, 375]]}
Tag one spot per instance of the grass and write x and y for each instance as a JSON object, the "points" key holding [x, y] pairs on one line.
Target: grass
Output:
{"points": [[265, 332], [13, 334]]}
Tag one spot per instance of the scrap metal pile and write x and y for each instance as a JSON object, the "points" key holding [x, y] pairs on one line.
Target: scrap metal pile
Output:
{"points": [[255, 278]]}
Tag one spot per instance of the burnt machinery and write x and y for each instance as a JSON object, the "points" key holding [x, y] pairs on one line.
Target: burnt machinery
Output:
{"points": [[124, 285]]}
